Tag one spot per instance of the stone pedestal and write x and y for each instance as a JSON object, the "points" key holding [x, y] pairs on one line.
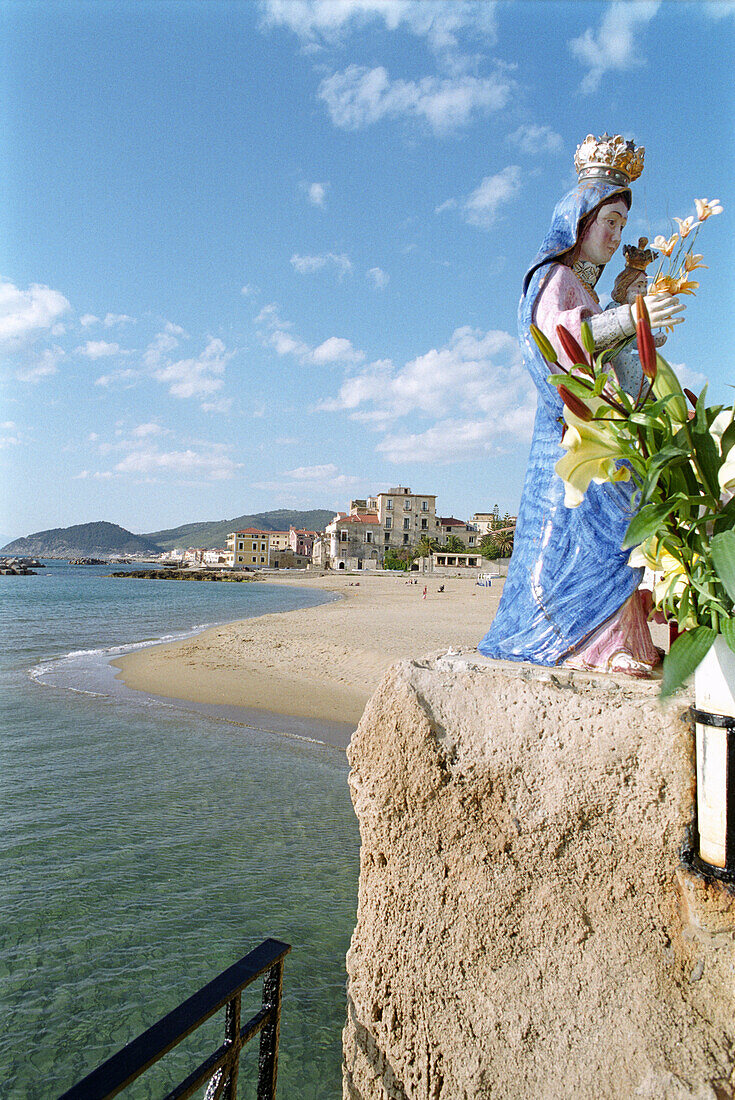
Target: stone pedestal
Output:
{"points": [[525, 929]]}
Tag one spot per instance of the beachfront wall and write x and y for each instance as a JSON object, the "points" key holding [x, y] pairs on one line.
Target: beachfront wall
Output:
{"points": [[525, 926]]}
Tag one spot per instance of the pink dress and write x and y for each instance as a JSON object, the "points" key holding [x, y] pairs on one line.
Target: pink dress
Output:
{"points": [[623, 642]]}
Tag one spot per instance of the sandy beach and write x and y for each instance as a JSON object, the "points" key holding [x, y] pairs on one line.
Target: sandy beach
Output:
{"points": [[321, 662]]}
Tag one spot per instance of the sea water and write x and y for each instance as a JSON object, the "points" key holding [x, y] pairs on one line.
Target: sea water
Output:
{"points": [[146, 846]]}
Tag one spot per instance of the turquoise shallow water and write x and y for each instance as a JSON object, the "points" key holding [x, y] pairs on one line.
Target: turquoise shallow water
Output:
{"points": [[145, 847]]}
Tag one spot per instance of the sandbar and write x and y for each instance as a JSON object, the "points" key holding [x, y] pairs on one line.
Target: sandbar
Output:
{"points": [[319, 662]]}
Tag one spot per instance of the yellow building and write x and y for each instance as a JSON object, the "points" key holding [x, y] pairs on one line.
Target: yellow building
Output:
{"points": [[250, 548]]}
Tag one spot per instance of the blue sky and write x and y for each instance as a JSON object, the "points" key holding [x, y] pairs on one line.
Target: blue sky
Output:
{"points": [[262, 255]]}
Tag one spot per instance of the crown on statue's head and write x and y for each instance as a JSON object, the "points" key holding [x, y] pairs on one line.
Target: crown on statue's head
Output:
{"points": [[609, 158], [640, 257]]}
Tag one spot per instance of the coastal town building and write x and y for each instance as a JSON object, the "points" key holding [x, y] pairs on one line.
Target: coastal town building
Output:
{"points": [[250, 548], [217, 557], [301, 541], [287, 559], [354, 540], [466, 532], [404, 517], [278, 540], [485, 522]]}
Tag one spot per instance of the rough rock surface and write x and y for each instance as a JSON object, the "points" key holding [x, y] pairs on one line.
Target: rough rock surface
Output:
{"points": [[522, 929]]}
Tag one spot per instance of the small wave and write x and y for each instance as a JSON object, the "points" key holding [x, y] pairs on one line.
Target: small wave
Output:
{"points": [[58, 671]]}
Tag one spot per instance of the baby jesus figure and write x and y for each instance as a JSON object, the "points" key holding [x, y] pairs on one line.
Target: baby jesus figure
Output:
{"points": [[630, 282]]}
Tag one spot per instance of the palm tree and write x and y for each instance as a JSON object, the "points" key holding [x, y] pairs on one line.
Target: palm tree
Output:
{"points": [[426, 546], [503, 539]]}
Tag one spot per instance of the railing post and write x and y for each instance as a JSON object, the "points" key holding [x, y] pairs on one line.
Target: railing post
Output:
{"points": [[268, 1056], [232, 1036]]}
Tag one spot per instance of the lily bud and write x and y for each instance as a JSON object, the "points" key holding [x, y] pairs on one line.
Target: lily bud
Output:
{"points": [[570, 346], [588, 339], [574, 404], [644, 337], [641, 309], [545, 346], [692, 397]]}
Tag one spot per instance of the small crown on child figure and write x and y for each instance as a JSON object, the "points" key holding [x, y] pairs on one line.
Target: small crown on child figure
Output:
{"points": [[609, 158], [640, 257]]}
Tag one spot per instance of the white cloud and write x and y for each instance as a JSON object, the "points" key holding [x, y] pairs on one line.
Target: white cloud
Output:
{"points": [[481, 207], [99, 475], [88, 319], [127, 375], [37, 365], [688, 377], [112, 319], [533, 139], [317, 193], [320, 22], [218, 405], [336, 350], [448, 204], [275, 333], [308, 265], [9, 434], [612, 48], [377, 277], [248, 290], [472, 394], [145, 430], [196, 377], [98, 349], [211, 464], [310, 479], [27, 314], [359, 97]]}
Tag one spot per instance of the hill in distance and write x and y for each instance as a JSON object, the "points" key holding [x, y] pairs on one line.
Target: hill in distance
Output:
{"points": [[213, 534], [84, 540], [104, 540]]}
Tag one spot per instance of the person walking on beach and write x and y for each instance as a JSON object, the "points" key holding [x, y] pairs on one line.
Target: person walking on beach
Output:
{"points": [[423, 595]]}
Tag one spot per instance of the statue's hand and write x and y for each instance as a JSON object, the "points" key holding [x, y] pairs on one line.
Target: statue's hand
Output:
{"points": [[662, 309]]}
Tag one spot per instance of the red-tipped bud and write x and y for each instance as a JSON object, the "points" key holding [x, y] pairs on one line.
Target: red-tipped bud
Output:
{"points": [[641, 309], [544, 345], [646, 349], [574, 404], [692, 397], [570, 346]]}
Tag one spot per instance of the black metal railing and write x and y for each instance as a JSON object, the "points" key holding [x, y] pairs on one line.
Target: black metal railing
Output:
{"points": [[221, 1068]]}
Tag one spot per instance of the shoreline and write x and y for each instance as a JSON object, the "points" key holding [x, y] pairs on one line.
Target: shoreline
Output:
{"points": [[319, 663]]}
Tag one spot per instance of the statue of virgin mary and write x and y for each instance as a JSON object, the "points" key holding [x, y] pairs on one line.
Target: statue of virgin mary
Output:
{"points": [[570, 596]]}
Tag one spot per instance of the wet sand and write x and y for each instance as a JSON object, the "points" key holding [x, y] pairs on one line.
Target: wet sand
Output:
{"points": [[317, 663]]}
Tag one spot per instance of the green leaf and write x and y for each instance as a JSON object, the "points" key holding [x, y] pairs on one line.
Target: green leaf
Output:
{"points": [[728, 438], [647, 523], [727, 629], [688, 651], [726, 519], [708, 459], [722, 552]]}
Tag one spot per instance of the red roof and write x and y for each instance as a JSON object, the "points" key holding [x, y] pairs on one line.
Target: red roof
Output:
{"points": [[369, 517], [255, 531], [450, 521]]}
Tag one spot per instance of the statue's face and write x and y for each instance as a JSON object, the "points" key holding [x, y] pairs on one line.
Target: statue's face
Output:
{"points": [[602, 236]]}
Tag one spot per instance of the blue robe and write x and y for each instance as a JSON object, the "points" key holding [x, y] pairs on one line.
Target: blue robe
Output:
{"points": [[568, 573]]}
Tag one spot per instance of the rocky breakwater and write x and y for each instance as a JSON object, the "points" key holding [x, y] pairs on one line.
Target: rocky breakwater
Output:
{"points": [[525, 926], [19, 567]]}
